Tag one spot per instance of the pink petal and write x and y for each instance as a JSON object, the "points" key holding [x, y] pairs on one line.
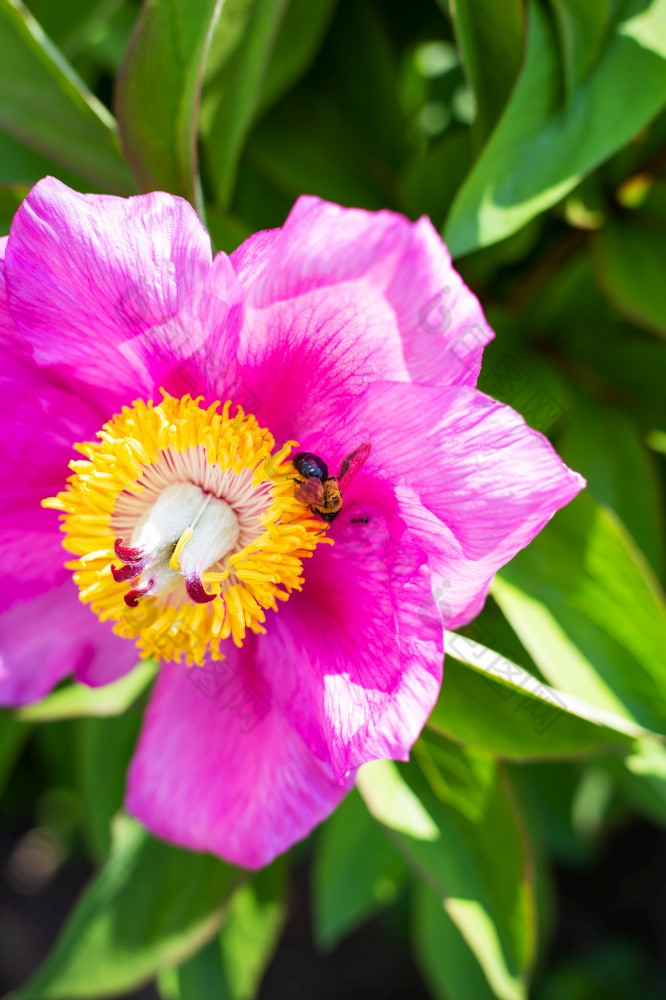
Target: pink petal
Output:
{"points": [[218, 767], [115, 292], [304, 359], [474, 483], [15, 352], [45, 639], [436, 330], [7, 328], [45, 631], [353, 660], [254, 254], [39, 422]]}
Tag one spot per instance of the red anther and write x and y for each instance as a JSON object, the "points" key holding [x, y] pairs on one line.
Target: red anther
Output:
{"points": [[128, 572], [127, 553], [131, 597], [195, 590]]}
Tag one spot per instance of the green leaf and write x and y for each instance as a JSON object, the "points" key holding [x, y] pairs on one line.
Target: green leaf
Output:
{"points": [[227, 36], [630, 371], [104, 747], [21, 166], [531, 385], [79, 699], [634, 366], [226, 231], [582, 26], [257, 201], [233, 95], [299, 36], [297, 148], [45, 105], [547, 793], [539, 149], [204, 975], [594, 799], [13, 735], [11, 197], [448, 964], [102, 42], [232, 965], [491, 38], [431, 181], [615, 967], [68, 24], [641, 775], [491, 629], [451, 813], [159, 90], [251, 933], [151, 905], [588, 609], [627, 259], [491, 703], [357, 871], [607, 447], [360, 72]]}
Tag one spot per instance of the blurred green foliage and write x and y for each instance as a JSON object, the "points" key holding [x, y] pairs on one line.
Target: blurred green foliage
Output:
{"points": [[533, 133]]}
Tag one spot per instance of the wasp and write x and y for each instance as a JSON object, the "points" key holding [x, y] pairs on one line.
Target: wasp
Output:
{"points": [[321, 492]]}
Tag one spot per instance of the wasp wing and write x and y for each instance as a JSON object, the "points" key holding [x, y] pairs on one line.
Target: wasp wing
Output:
{"points": [[311, 492], [351, 464]]}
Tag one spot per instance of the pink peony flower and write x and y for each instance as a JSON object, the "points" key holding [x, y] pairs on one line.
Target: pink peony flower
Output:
{"points": [[155, 395]]}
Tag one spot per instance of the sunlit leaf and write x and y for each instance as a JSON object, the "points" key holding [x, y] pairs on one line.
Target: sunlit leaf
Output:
{"points": [[586, 605], [491, 703], [251, 933], [540, 148], [152, 904], [451, 814], [357, 871], [447, 962], [79, 699], [232, 965]]}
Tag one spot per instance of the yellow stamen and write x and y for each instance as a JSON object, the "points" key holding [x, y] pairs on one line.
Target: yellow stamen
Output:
{"points": [[214, 577], [142, 450]]}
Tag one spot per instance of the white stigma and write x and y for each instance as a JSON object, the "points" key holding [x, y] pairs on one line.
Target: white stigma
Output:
{"points": [[214, 533]]}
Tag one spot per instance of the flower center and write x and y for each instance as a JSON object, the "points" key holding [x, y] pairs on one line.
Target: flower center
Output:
{"points": [[186, 526]]}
